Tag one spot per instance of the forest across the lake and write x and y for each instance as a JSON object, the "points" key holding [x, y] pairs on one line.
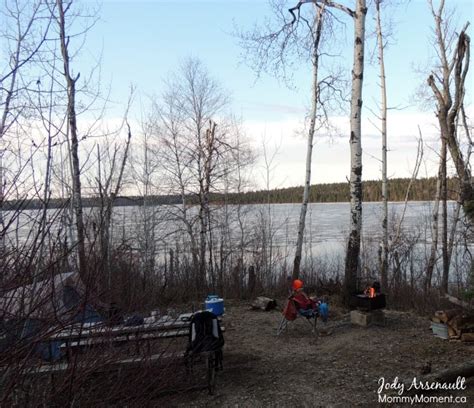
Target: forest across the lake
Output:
{"points": [[422, 189]]}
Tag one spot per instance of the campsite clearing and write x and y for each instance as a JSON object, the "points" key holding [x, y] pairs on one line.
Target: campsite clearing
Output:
{"points": [[339, 370]]}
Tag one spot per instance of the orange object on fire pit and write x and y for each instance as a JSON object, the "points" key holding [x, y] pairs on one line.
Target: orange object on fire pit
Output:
{"points": [[370, 292], [370, 299]]}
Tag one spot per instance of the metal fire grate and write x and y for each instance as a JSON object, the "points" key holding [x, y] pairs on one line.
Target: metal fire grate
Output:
{"points": [[364, 302]]}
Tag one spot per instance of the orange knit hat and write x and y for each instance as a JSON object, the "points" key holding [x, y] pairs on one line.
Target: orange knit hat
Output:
{"points": [[297, 284]]}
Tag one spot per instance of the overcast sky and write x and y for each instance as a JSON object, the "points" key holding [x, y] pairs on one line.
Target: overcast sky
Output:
{"points": [[141, 42]]}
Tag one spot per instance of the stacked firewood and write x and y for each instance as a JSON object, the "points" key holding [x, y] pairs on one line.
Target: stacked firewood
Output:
{"points": [[460, 324]]}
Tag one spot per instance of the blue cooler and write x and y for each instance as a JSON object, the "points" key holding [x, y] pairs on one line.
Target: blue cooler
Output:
{"points": [[214, 304], [324, 311]]}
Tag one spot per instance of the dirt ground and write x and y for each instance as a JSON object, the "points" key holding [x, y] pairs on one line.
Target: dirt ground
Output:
{"points": [[341, 369]]}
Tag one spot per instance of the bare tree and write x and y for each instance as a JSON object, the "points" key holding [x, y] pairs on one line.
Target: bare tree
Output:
{"points": [[448, 84], [26, 28], [73, 136], [316, 33], [109, 186], [444, 216], [383, 119], [270, 49], [145, 165], [299, 33], [353, 247], [433, 258], [196, 154]]}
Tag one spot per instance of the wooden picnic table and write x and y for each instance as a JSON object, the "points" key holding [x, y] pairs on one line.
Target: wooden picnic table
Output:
{"points": [[79, 336], [84, 336], [87, 330]]}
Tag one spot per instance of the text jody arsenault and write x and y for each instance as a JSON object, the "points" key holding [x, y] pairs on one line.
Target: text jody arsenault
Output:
{"points": [[397, 385]]}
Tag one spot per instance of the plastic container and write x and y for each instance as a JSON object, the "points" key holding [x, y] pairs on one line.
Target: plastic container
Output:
{"points": [[214, 304], [440, 330], [324, 311]]}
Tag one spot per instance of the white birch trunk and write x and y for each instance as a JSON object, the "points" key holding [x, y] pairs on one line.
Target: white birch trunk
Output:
{"points": [[353, 246], [318, 21], [383, 118]]}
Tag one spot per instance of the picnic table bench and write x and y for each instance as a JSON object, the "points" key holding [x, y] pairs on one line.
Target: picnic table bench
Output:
{"points": [[87, 336]]}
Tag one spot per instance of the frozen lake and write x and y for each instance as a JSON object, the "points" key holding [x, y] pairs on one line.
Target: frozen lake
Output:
{"points": [[326, 231]]}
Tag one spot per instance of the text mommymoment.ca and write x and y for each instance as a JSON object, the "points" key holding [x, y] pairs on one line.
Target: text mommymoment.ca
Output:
{"points": [[400, 387]]}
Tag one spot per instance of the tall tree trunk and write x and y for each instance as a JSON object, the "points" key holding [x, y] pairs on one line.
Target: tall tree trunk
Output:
{"points": [[435, 223], [383, 117], [435, 227], [444, 213], [450, 101], [72, 125], [318, 22], [206, 157], [353, 246], [452, 234], [448, 85], [110, 197]]}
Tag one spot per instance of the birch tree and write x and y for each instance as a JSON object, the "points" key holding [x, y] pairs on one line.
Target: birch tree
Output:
{"points": [[316, 31], [269, 49], [383, 119], [353, 246], [298, 33]]}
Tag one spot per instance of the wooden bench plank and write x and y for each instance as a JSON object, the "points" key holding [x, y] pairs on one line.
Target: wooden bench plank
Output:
{"points": [[109, 366]]}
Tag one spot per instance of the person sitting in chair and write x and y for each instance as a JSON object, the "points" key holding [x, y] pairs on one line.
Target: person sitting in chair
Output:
{"points": [[305, 305]]}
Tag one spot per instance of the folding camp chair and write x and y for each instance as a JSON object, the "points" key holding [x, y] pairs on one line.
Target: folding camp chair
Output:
{"points": [[291, 312], [205, 340]]}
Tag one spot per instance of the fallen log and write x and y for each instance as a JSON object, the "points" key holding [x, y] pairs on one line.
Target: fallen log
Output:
{"points": [[264, 303], [458, 302], [452, 373], [449, 375]]}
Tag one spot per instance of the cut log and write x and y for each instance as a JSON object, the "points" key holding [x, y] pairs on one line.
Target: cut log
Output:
{"points": [[453, 334], [467, 337], [462, 323], [264, 303]]}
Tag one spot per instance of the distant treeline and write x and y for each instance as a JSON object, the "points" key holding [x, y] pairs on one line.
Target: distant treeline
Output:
{"points": [[91, 202], [421, 190]]}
